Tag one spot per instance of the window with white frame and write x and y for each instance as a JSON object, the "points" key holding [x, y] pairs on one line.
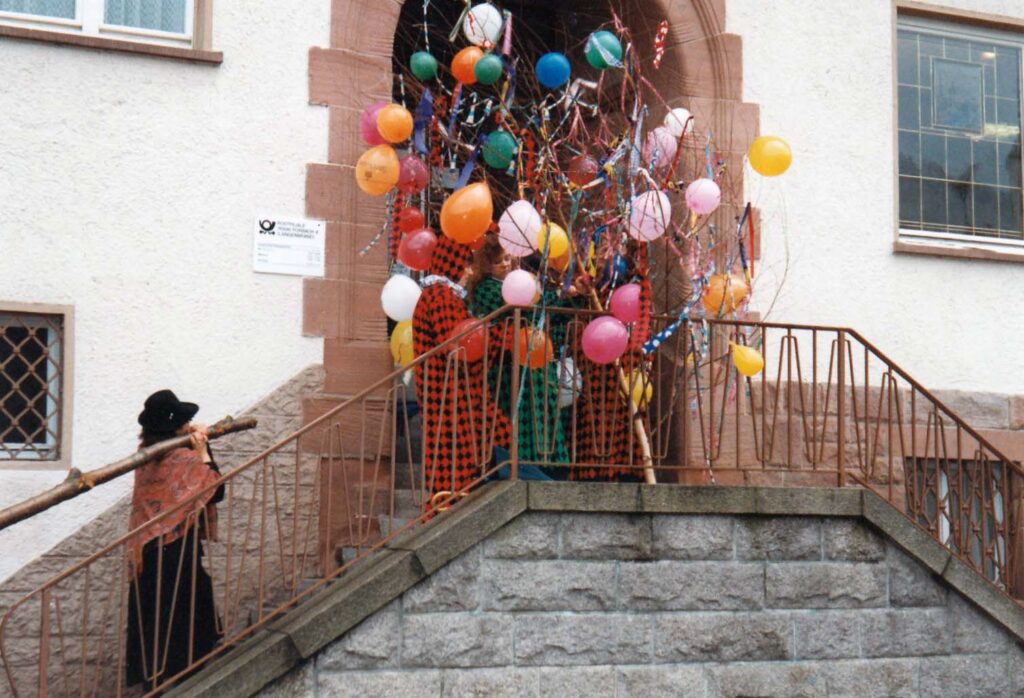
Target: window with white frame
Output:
{"points": [[32, 404], [959, 120], [156, 21]]}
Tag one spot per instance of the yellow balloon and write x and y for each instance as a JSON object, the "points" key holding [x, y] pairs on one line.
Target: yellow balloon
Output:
{"points": [[377, 170], [640, 387], [555, 237], [401, 344], [747, 360], [770, 156]]}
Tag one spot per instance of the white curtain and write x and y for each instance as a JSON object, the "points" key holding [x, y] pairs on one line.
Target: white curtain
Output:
{"points": [[162, 15], [46, 8]]}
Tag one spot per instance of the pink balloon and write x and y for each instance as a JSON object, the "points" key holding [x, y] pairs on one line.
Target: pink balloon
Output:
{"points": [[660, 148], [368, 124], [518, 228], [625, 303], [519, 288], [413, 175], [605, 339], [703, 196], [649, 214]]}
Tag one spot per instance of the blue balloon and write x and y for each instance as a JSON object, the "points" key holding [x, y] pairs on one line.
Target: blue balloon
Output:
{"points": [[553, 70]]}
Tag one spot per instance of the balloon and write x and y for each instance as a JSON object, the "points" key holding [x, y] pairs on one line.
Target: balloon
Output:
{"points": [[723, 294], [747, 360], [625, 303], [703, 196], [518, 228], [417, 248], [560, 263], [473, 344], [401, 343], [464, 63], [368, 124], [555, 238], [377, 170], [519, 288], [770, 156], [488, 69], [483, 24], [423, 65], [640, 388], [570, 382], [499, 149], [394, 123], [413, 175], [660, 148], [410, 218], [649, 214], [678, 119], [605, 339], [399, 297], [553, 70], [601, 46], [535, 348], [583, 170], [467, 213]]}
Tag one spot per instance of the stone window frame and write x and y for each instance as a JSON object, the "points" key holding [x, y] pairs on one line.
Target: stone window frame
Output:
{"points": [[913, 242], [63, 460], [195, 47]]}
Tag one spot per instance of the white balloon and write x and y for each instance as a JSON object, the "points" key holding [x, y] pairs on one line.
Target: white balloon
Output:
{"points": [[399, 297], [483, 23], [570, 382], [649, 214], [678, 119], [519, 228]]}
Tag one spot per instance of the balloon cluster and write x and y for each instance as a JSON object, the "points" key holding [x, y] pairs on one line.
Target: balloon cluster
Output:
{"points": [[560, 144]]}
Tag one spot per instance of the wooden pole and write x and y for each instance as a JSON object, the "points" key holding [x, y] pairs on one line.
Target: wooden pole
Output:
{"points": [[77, 482]]}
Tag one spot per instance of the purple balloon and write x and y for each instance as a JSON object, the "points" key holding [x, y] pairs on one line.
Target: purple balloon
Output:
{"points": [[368, 124], [605, 339], [625, 303], [703, 196], [519, 288]]}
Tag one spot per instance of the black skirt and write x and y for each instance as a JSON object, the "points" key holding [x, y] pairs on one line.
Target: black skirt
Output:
{"points": [[165, 609]]}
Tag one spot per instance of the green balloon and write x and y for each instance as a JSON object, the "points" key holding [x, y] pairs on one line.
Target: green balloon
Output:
{"points": [[488, 69], [611, 45], [423, 65], [499, 149]]}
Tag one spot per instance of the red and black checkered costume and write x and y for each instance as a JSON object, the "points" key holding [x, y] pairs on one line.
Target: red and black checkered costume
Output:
{"points": [[460, 431]]}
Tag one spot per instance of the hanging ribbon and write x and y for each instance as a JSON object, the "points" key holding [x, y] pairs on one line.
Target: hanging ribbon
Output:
{"points": [[424, 113], [659, 43]]}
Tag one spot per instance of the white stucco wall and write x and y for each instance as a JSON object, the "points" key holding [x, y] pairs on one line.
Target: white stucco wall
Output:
{"points": [[822, 72], [128, 186]]}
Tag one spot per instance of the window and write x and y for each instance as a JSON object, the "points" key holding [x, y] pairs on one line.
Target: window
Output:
{"points": [[33, 408], [169, 22], [959, 121]]}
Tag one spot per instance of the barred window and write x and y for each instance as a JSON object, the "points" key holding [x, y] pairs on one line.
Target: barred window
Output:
{"points": [[31, 386]]}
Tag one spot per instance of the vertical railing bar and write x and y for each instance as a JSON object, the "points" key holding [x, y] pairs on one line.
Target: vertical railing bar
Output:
{"points": [[44, 642], [841, 407], [514, 398]]}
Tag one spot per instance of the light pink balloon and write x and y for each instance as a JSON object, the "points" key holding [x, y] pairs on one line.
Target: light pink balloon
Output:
{"points": [[518, 228], [625, 303], [649, 214], [703, 196], [605, 339], [519, 288], [413, 175], [660, 148], [368, 124]]}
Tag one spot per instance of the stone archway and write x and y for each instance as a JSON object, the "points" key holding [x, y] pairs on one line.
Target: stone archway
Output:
{"points": [[356, 70]]}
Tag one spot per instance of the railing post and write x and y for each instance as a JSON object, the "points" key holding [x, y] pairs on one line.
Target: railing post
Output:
{"points": [[841, 409], [44, 643], [514, 397]]}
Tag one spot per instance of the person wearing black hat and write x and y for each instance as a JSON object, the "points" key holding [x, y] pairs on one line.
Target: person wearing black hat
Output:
{"points": [[171, 594]]}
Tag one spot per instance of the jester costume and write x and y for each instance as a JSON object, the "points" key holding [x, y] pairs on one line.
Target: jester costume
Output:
{"points": [[461, 425]]}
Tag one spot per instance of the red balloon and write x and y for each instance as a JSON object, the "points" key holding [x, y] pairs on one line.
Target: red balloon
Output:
{"points": [[475, 343], [417, 248], [413, 175], [583, 170], [625, 303], [410, 218]]}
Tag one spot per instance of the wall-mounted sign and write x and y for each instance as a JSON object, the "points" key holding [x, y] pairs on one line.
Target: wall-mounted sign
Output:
{"points": [[288, 247]]}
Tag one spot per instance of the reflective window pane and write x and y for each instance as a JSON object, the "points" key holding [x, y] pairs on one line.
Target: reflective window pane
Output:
{"points": [[64, 9], [161, 15]]}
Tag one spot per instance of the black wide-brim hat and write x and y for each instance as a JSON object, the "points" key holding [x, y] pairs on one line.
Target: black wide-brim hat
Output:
{"points": [[164, 413]]}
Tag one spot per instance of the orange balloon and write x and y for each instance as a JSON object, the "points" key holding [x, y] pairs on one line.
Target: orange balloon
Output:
{"points": [[559, 263], [467, 213], [535, 348], [464, 63], [394, 123], [724, 294], [377, 170]]}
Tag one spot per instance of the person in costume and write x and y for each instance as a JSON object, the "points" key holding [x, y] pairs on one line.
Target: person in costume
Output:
{"points": [[172, 621], [461, 422]]}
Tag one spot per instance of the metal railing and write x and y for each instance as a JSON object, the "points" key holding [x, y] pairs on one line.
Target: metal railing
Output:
{"points": [[829, 409]]}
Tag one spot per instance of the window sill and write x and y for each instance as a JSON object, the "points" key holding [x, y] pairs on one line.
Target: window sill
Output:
{"points": [[105, 44], [959, 251]]}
